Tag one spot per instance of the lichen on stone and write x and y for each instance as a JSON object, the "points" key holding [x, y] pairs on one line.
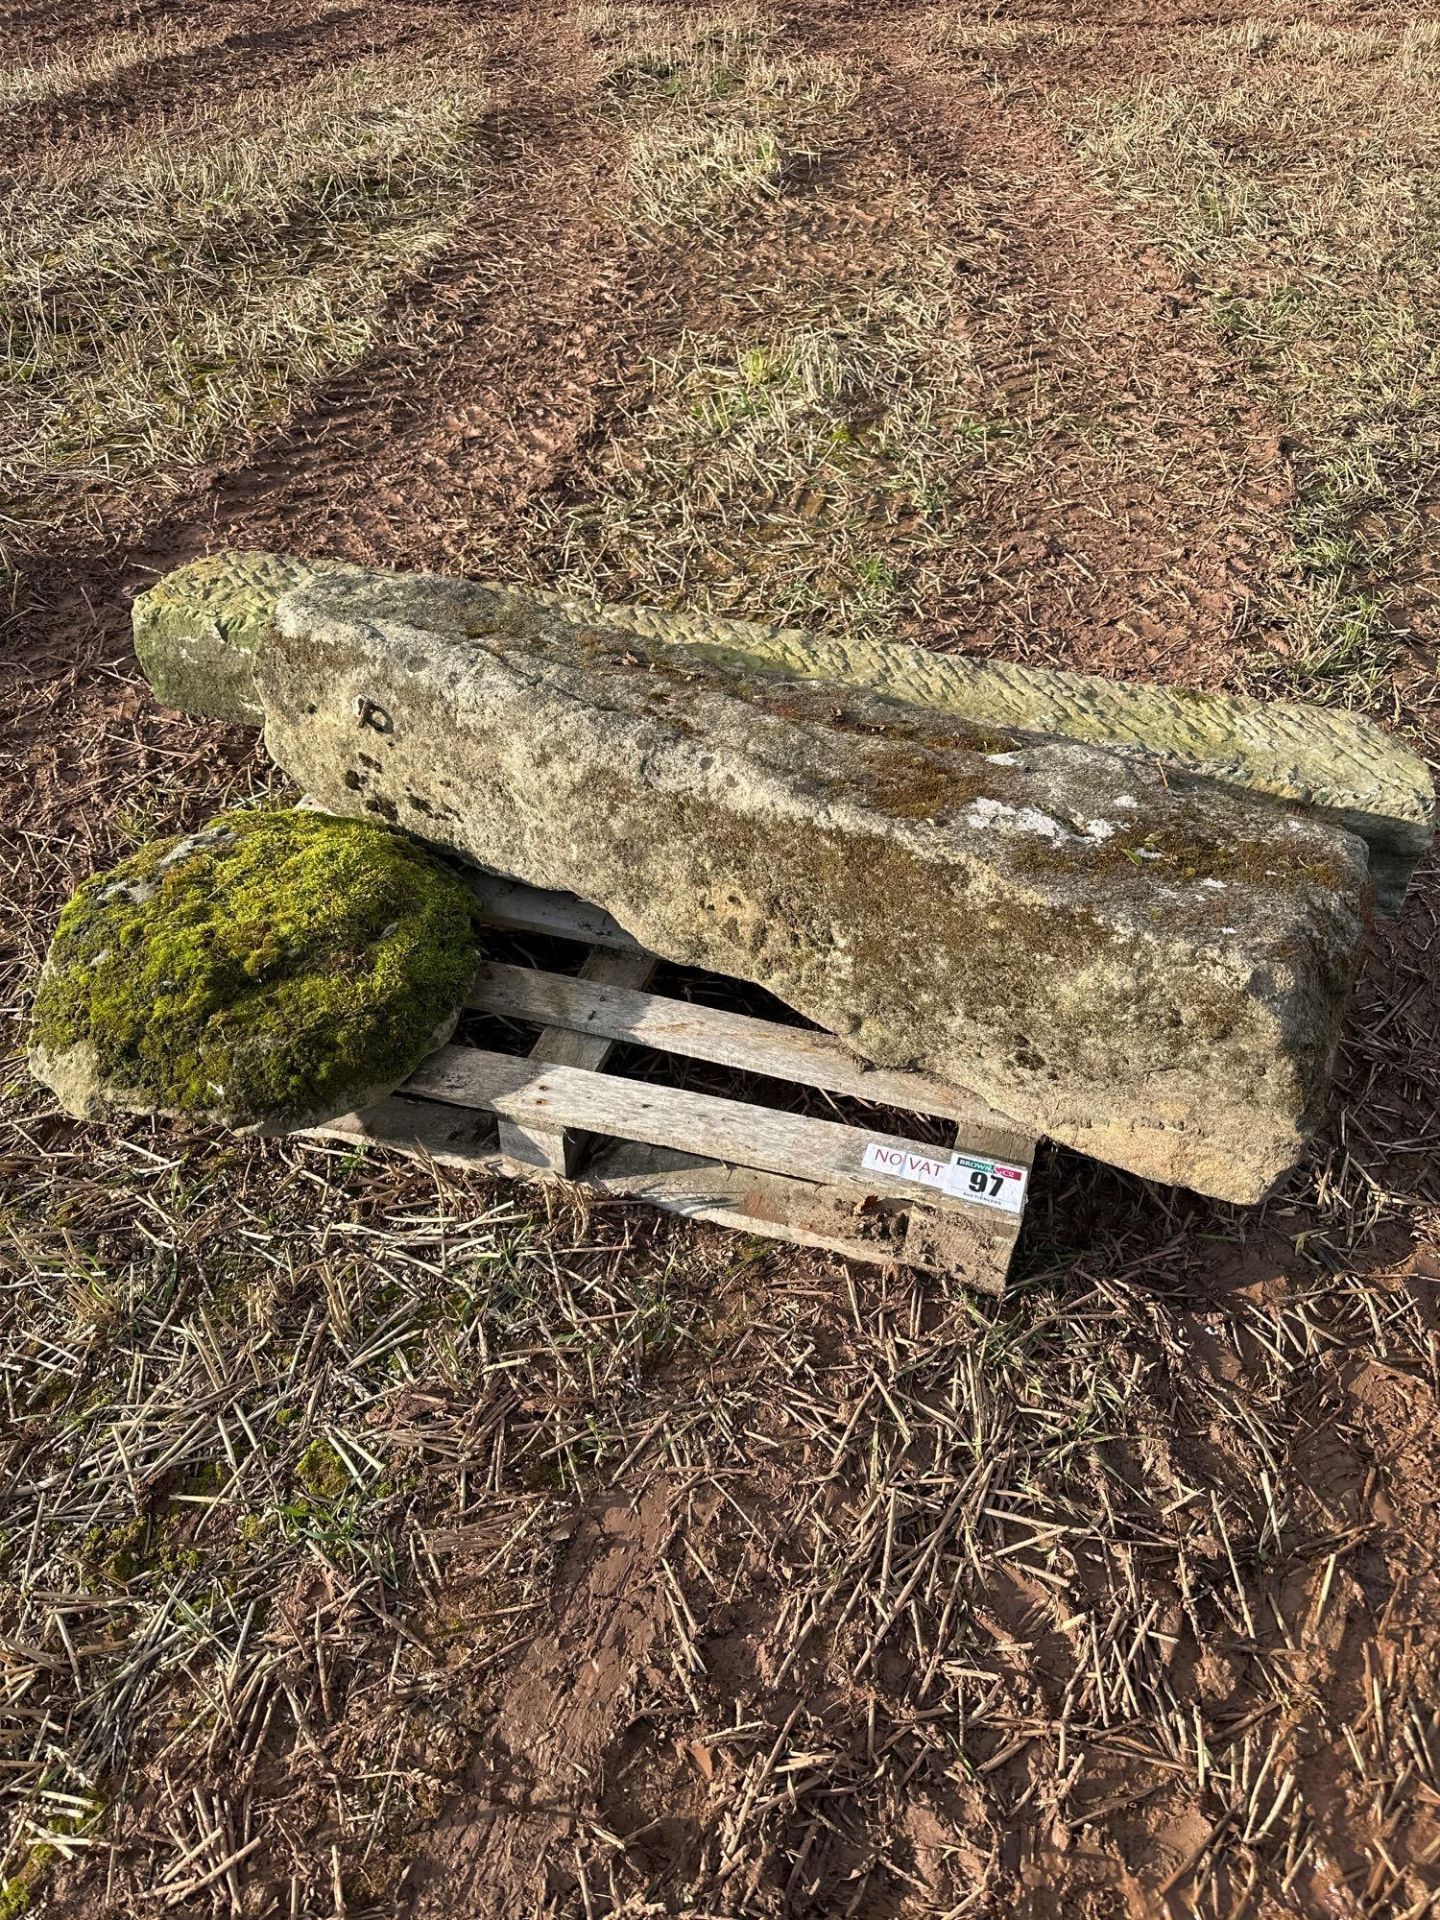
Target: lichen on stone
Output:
{"points": [[270, 971]]}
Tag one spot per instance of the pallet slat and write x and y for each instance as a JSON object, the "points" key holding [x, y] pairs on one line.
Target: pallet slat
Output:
{"points": [[591, 1006], [806, 1215], [604, 968], [771, 1204], [538, 1094]]}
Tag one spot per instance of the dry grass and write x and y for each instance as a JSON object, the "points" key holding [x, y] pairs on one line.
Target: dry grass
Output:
{"points": [[994, 43], [802, 468], [713, 106], [65, 72], [248, 1395], [290, 1442], [800, 462], [164, 302], [1294, 173]]}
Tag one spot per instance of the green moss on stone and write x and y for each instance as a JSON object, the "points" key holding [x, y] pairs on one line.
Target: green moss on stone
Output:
{"points": [[266, 970]]}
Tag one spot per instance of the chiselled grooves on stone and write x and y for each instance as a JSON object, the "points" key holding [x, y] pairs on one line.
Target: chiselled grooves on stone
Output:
{"points": [[1153, 974], [1338, 765], [197, 630]]}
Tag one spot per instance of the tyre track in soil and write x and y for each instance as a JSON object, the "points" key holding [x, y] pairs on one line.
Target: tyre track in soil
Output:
{"points": [[424, 454], [413, 458], [261, 52], [524, 332], [1134, 548], [531, 1782], [31, 34]]}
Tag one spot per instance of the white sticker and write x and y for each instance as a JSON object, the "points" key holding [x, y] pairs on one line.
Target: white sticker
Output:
{"points": [[966, 1176], [901, 1163]]}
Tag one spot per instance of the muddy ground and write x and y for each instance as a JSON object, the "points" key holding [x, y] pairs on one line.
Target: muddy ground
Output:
{"points": [[695, 1575]]}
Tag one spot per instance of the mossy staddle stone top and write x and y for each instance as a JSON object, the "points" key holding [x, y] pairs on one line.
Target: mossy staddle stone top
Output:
{"points": [[270, 971]]}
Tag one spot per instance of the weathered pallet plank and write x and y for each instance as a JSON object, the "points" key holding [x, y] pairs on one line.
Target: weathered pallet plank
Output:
{"points": [[734, 1130], [747, 1201], [741, 1199], [453, 1136], [806, 1215], [948, 1243], [588, 1006]]}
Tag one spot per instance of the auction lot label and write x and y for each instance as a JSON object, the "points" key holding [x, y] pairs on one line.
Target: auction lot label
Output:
{"points": [[989, 1183], [965, 1176]]}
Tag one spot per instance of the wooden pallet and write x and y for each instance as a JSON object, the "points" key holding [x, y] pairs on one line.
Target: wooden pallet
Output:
{"points": [[557, 1114]]}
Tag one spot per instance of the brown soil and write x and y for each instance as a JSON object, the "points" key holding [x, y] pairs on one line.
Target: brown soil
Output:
{"points": [[1072, 323], [854, 1628]]}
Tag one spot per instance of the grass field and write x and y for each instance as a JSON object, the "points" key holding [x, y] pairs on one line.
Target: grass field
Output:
{"points": [[374, 1541]]}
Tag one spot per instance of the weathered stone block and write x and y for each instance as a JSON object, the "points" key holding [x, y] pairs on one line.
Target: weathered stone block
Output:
{"points": [[1156, 976], [1338, 766], [196, 632]]}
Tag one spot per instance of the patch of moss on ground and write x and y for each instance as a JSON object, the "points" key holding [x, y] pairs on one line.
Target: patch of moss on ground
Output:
{"points": [[117, 1553], [321, 1472], [20, 1890], [265, 970], [155, 1542]]}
